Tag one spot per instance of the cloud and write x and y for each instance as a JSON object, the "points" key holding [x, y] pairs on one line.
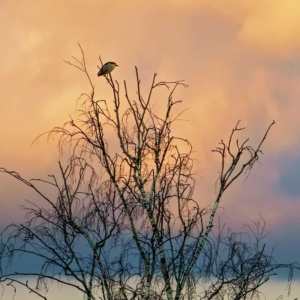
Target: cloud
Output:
{"points": [[273, 28], [240, 60], [289, 179]]}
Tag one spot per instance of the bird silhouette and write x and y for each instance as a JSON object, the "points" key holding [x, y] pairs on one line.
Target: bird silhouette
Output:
{"points": [[107, 68]]}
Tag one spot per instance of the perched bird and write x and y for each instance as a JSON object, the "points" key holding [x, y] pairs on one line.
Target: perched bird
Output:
{"points": [[107, 68]]}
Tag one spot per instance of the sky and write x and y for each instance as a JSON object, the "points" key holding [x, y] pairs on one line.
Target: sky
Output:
{"points": [[241, 60]]}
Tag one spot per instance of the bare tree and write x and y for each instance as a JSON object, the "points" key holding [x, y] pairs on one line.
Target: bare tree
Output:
{"points": [[236, 264], [125, 223], [70, 236]]}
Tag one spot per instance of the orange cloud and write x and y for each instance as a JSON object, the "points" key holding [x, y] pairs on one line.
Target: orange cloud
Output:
{"points": [[273, 27]]}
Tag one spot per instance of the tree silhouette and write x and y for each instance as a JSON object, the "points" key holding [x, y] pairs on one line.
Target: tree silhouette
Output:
{"points": [[125, 223]]}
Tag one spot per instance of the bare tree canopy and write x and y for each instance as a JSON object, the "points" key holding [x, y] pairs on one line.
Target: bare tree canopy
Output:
{"points": [[125, 223]]}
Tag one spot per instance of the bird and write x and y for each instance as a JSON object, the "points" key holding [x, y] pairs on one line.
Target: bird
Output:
{"points": [[107, 68]]}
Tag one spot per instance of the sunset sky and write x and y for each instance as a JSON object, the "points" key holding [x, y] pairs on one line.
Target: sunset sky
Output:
{"points": [[241, 60]]}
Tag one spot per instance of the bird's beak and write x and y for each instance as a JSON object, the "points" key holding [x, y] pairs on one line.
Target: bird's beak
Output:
{"points": [[117, 65]]}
